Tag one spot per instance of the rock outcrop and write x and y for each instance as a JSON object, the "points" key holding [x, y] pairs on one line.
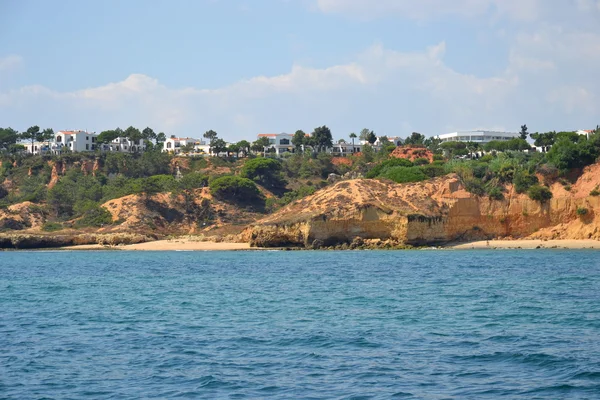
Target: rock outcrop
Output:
{"points": [[21, 216], [427, 213], [40, 240]]}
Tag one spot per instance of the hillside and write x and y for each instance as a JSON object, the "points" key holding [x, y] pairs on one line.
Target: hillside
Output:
{"points": [[425, 213], [418, 195]]}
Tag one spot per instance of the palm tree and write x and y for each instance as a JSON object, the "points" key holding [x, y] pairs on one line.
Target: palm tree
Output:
{"points": [[353, 136]]}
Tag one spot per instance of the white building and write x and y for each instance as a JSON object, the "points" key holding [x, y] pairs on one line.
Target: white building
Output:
{"points": [[481, 137], [281, 142], [587, 133], [173, 145], [124, 145], [75, 141], [37, 147], [345, 149], [396, 140]]}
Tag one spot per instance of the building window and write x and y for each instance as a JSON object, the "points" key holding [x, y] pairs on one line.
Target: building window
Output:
{"points": [[87, 146], [59, 139], [87, 138], [93, 140], [125, 147], [284, 141], [168, 145]]}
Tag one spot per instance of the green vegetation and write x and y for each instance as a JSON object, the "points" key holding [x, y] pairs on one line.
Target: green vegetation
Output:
{"points": [[582, 211], [76, 195], [241, 191], [404, 174], [266, 171], [539, 193], [94, 216], [52, 227]]}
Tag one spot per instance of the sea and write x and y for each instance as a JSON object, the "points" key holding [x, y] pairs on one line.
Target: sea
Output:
{"points": [[421, 324]]}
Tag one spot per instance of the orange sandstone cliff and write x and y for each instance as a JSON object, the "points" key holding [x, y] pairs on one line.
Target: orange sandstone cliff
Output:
{"points": [[428, 213]]}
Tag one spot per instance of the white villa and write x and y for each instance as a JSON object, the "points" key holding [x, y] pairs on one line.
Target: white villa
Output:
{"points": [[397, 140], [481, 137], [586, 133], [82, 141], [174, 145], [124, 145], [75, 140], [345, 149], [37, 147], [281, 142]]}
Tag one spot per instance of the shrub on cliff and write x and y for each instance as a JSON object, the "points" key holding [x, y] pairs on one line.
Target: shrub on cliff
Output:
{"points": [[380, 168], [266, 171], [404, 174], [236, 190], [95, 216], [539, 193], [433, 170], [158, 184], [52, 227], [523, 181], [193, 180], [473, 185], [495, 193]]}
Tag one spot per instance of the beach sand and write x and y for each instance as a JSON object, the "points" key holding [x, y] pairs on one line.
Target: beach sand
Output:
{"points": [[161, 245], [530, 244], [183, 244]]}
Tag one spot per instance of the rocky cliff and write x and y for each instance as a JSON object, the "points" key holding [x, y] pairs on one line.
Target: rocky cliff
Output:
{"points": [[427, 213]]}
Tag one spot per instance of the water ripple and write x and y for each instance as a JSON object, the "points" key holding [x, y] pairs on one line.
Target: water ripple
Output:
{"points": [[306, 325]]}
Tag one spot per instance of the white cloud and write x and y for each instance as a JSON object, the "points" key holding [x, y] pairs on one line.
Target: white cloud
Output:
{"points": [[423, 9], [549, 84], [10, 62]]}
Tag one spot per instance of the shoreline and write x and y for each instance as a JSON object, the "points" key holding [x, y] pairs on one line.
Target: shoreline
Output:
{"points": [[191, 245], [167, 245], [186, 244], [527, 244]]}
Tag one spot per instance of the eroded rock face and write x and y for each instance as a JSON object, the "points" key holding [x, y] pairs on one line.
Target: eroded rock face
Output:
{"points": [[21, 216], [366, 209], [39, 241], [427, 213], [54, 174]]}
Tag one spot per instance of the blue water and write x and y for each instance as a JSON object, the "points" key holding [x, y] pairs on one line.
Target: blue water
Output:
{"points": [[300, 325]]}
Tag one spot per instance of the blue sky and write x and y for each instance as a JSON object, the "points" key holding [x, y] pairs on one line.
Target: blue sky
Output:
{"points": [[242, 67]]}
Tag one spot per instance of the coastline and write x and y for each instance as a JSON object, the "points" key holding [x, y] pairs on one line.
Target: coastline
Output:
{"points": [[527, 244], [167, 245], [183, 244]]}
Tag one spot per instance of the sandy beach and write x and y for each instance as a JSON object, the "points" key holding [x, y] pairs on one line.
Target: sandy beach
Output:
{"points": [[162, 245], [529, 244], [183, 244]]}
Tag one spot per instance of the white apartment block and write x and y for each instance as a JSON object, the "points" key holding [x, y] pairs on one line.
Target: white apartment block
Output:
{"points": [[481, 137], [173, 145], [75, 141]]}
